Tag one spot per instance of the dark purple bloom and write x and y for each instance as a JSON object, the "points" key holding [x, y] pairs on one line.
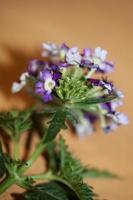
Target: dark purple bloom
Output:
{"points": [[90, 116], [107, 106], [56, 75], [102, 83]]}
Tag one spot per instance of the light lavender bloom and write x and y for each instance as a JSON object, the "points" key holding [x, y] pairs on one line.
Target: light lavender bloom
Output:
{"points": [[84, 127], [73, 56], [119, 118], [49, 48], [97, 59]]}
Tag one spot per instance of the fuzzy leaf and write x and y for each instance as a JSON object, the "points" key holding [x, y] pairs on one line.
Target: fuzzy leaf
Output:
{"points": [[47, 191], [71, 171], [16, 122], [96, 100], [56, 124]]}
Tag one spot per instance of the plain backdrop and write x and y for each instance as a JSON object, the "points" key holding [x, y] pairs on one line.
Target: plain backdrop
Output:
{"points": [[25, 24]]}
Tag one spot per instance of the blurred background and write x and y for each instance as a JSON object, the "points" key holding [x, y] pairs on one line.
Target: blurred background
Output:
{"points": [[24, 25]]}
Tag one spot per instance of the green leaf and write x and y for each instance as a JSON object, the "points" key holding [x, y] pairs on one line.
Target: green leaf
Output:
{"points": [[56, 124], [53, 159], [47, 191], [71, 117], [71, 174], [2, 163], [96, 173], [96, 100], [16, 122]]}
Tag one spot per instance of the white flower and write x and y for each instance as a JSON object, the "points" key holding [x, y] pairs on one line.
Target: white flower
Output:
{"points": [[84, 128], [16, 87], [119, 118], [116, 104], [49, 48], [120, 94], [73, 56], [100, 53]]}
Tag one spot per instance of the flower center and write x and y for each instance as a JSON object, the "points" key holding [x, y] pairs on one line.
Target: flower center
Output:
{"points": [[49, 84]]}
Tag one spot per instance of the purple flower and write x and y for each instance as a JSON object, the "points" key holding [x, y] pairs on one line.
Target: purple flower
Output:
{"points": [[45, 85], [97, 59], [117, 118], [87, 52], [102, 83], [34, 66]]}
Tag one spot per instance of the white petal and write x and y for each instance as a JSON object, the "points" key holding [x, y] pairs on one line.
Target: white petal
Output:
{"points": [[84, 128], [24, 76], [98, 51], [122, 118], [103, 54], [49, 84], [16, 87], [49, 46]]}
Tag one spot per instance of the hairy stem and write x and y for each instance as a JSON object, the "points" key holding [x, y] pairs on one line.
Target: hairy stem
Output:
{"points": [[6, 184]]}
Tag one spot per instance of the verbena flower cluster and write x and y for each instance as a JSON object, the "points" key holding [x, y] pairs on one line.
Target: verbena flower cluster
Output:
{"points": [[66, 77]]}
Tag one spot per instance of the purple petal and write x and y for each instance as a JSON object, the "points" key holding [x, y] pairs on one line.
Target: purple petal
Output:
{"points": [[90, 116], [107, 67], [45, 74], [64, 47], [39, 88], [87, 52], [47, 97], [34, 66], [64, 64], [56, 76], [54, 67], [107, 106]]}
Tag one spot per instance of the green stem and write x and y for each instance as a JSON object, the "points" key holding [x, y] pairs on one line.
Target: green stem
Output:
{"points": [[16, 149], [47, 176], [90, 74], [39, 149], [6, 184], [12, 180]]}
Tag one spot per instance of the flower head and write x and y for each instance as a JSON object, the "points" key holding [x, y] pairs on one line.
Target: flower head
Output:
{"points": [[65, 77]]}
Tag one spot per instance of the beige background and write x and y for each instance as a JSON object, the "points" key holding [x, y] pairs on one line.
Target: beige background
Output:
{"points": [[24, 25]]}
